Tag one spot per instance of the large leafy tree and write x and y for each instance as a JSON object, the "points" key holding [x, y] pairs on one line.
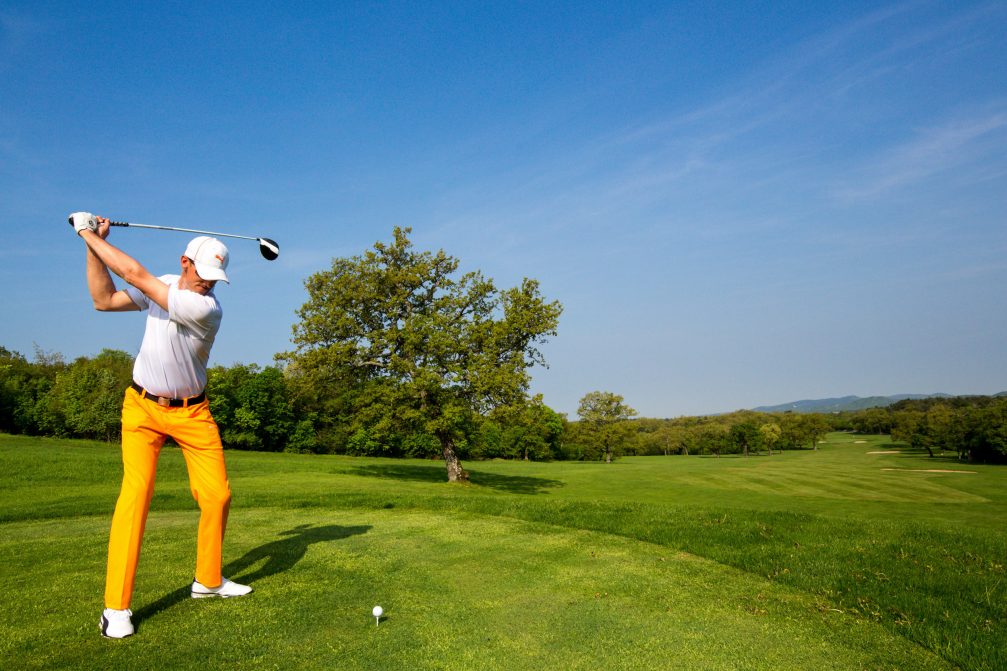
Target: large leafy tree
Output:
{"points": [[744, 432], [396, 344], [604, 415], [769, 435], [815, 427]]}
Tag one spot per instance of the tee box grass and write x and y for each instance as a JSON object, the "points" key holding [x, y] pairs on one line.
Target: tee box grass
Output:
{"points": [[858, 555]]}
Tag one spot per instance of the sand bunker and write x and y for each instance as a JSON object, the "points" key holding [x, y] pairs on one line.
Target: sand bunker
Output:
{"points": [[927, 470], [857, 442]]}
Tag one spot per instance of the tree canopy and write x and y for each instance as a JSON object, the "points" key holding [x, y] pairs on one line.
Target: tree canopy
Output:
{"points": [[399, 346], [603, 414]]}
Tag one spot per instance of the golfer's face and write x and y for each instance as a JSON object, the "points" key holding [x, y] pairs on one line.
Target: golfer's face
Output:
{"points": [[194, 281]]}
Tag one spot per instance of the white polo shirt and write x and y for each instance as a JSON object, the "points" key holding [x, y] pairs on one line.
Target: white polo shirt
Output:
{"points": [[176, 345]]}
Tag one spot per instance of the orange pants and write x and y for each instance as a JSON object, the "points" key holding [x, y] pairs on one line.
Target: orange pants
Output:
{"points": [[145, 426]]}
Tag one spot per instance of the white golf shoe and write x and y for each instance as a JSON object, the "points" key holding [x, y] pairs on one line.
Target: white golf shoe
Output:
{"points": [[116, 623], [226, 589]]}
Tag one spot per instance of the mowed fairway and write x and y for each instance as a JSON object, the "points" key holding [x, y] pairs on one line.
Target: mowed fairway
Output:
{"points": [[802, 560]]}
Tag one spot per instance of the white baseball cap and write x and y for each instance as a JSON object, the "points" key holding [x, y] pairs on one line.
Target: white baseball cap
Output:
{"points": [[210, 256]]}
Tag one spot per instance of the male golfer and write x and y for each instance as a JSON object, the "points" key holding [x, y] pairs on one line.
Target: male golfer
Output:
{"points": [[167, 398]]}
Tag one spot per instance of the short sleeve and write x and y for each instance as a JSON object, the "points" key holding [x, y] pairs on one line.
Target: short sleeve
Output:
{"points": [[138, 297], [200, 314]]}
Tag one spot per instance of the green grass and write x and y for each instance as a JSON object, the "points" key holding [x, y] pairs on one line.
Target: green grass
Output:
{"points": [[802, 560]]}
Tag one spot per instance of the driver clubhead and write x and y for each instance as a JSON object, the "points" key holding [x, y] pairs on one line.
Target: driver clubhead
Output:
{"points": [[270, 250]]}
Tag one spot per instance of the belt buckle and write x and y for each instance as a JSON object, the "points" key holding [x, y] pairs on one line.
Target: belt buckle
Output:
{"points": [[164, 402]]}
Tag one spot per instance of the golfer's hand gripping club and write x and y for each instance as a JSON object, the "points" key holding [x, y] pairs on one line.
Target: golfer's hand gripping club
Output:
{"points": [[83, 221]]}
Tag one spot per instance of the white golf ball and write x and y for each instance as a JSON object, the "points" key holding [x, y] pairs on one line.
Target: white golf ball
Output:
{"points": [[377, 611]]}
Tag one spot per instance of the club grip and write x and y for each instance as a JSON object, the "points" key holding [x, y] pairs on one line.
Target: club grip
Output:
{"points": [[118, 223]]}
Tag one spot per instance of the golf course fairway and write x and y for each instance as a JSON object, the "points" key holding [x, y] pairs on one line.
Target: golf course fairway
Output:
{"points": [[655, 562]]}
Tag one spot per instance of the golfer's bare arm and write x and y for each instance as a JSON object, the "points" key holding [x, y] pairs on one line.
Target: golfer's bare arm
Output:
{"points": [[102, 257]]}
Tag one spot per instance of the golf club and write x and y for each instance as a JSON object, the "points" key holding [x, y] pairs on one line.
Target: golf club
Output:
{"points": [[270, 250]]}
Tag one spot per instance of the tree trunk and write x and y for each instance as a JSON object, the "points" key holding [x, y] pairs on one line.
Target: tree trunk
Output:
{"points": [[608, 454], [455, 471]]}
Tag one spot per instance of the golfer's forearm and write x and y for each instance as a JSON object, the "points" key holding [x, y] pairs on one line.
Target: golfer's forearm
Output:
{"points": [[99, 282], [116, 260], [129, 269]]}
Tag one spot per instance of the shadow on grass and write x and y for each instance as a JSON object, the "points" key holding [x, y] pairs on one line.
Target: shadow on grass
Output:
{"points": [[280, 555], [514, 484]]}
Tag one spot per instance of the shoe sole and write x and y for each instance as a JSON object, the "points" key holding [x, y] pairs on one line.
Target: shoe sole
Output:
{"points": [[206, 595]]}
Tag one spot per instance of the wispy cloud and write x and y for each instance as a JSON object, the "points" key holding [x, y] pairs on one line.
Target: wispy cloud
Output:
{"points": [[771, 120], [793, 89], [946, 148], [777, 151]]}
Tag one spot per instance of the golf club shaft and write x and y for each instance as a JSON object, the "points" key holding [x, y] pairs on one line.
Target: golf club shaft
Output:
{"points": [[183, 230]]}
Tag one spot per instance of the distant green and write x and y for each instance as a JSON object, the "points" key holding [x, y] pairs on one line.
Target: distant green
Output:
{"points": [[829, 559]]}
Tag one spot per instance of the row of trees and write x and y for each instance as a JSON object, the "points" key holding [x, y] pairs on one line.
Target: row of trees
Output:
{"points": [[743, 432], [259, 409], [48, 396], [83, 399], [973, 427], [262, 409]]}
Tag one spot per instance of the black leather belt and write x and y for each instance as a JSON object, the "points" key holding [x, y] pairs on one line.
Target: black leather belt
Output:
{"points": [[169, 402]]}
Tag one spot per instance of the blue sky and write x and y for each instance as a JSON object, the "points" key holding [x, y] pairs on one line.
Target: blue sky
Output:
{"points": [[737, 204]]}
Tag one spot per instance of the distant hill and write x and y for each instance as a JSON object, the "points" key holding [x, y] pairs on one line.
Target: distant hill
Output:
{"points": [[845, 403]]}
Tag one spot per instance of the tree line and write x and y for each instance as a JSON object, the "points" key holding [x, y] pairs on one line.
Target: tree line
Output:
{"points": [[258, 408], [261, 408], [49, 396], [743, 432], [974, 428]]}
